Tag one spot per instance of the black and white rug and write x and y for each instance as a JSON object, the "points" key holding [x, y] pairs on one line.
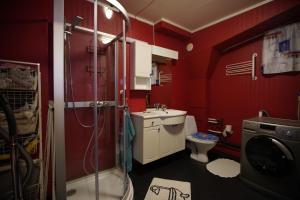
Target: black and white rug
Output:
{"points": [[166, 189]]}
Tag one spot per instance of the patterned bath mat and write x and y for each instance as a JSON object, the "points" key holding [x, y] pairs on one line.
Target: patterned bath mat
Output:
{"points": [[165, 189], [225, 168]]}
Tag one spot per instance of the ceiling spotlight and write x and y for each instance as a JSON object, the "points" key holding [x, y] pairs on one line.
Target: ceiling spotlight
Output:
{"points": [[108, 12]]}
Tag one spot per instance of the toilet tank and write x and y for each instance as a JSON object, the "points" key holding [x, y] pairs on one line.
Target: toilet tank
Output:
{"points": [[190, 126]]}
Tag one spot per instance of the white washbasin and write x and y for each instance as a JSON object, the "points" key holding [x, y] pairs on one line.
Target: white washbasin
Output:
{"points": [[168, 116], [167, 112]]}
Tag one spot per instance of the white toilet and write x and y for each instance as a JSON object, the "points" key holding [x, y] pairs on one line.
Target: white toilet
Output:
{"points": [[199, 143]]}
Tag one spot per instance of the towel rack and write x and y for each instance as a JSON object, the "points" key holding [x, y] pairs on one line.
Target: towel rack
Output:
{"points": [[242, 68]]}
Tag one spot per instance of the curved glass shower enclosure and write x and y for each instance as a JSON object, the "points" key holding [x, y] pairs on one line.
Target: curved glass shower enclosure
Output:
{"points": [[94, 99]]}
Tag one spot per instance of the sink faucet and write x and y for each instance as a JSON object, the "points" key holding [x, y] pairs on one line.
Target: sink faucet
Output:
{"points": [[157, 105], [163, 107]]}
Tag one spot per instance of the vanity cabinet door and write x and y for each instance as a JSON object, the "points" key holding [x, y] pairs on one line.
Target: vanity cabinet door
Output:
{"points": [[172, 139], [178, 137], [167, 142], [151, 144]]}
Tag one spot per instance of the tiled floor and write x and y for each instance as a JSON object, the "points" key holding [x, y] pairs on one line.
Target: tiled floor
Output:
{"points": [[204, 185]]}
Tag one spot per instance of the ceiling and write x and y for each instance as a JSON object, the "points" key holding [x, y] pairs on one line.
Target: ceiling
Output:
{"points": [[190, 15]]}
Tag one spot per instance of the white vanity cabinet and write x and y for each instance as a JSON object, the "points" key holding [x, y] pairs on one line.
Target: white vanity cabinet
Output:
{"points": [[154, 140]]}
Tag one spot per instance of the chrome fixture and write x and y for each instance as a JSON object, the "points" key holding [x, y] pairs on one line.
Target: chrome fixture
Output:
{"points": [[76, 21], [156, 105], [163, 107]]}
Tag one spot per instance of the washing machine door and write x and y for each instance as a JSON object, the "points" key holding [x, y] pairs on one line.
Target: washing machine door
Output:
{"points": [[269, 156]]}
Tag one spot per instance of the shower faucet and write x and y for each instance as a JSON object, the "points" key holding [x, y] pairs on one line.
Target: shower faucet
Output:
{"points": [[101, 104]]}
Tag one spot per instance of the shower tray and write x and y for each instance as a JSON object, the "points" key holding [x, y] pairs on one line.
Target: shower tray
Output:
{"points": [[111, 187]]}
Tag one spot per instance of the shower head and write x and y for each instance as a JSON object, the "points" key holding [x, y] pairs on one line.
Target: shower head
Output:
{"points": [[76, 21]]}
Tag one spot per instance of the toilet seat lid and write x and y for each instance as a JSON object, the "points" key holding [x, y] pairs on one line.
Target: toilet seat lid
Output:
{"points": [[205, 136]]}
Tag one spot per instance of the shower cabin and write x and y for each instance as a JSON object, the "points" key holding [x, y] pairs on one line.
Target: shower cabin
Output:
{"points": [[90, 138]]}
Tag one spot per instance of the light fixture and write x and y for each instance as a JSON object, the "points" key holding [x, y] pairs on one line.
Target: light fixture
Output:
{"points": [[105, 40], [108, 12]]}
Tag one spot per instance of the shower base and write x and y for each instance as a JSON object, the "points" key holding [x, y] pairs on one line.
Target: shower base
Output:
{"points": [[111, 187]]}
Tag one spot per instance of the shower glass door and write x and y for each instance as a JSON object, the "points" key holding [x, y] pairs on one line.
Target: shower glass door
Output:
{"points": [[85, 162]]}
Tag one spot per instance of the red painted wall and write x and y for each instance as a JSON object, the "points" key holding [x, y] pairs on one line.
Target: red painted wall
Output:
{"points": [[30, 10], [77, 137], [211, 94], [26, 37], [16, 44], [30, 41], [234, 98], [198, 83], [35, 20]]}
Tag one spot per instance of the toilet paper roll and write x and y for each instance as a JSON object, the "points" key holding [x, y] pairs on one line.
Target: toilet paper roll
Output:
{"points": [[227, 130]]}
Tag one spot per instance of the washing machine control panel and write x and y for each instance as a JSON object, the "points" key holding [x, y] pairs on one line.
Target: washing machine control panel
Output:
{"points": [[288, 133]]}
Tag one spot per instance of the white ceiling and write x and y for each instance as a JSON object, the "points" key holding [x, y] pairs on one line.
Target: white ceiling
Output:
{"points": [[190, 15]]}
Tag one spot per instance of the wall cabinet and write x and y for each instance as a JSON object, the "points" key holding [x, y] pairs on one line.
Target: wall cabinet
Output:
{"points": [[155, 140], [141, 64], [141, 56]]}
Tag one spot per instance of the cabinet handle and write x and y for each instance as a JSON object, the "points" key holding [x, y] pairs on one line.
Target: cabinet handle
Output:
{"points": [[152, 123], [158, 129]]}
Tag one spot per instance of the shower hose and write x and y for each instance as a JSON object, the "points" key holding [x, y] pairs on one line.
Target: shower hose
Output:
{"points": [[10, 137]]}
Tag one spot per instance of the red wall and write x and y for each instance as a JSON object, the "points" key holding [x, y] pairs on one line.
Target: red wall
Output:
{"points": [[25, 37], [233, 99], [30, 10], [26, 28], [76, 136], [198, 85]]}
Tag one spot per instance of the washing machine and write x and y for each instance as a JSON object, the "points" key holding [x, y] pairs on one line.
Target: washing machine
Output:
{"points": [[270, 156]]}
